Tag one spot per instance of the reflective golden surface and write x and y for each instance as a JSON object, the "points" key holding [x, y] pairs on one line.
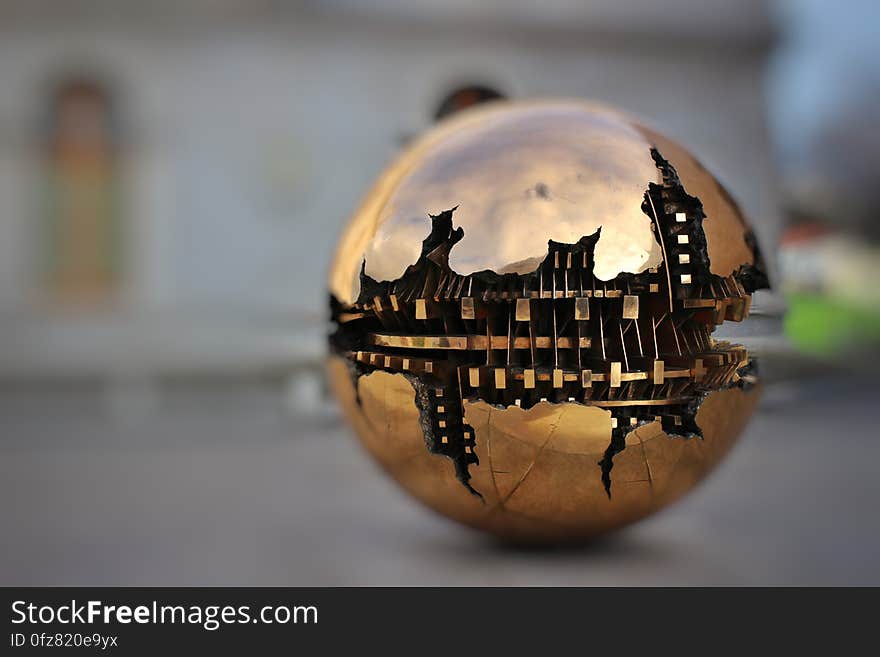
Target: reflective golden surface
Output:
{"points": [[524, 173], [499, 365], [537, 467]]}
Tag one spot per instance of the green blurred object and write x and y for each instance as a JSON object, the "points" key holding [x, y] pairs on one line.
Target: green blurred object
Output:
{"points": [[824, 325]]}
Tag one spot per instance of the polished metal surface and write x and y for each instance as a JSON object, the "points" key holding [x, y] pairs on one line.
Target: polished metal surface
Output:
{"points": [[524, 308], [535, 464], [524, 173]]}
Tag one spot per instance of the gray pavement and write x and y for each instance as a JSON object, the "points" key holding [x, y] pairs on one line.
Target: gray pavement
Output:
{"points": [[222, 487]]}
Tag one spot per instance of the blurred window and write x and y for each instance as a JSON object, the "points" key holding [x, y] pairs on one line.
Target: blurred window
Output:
{"points": [[80, 190]]}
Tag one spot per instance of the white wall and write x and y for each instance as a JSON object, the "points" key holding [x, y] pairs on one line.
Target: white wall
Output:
{"points": [[246, 147]]}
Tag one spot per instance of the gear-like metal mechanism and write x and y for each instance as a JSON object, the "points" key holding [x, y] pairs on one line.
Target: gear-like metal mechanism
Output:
{"points": [[638, 345]]}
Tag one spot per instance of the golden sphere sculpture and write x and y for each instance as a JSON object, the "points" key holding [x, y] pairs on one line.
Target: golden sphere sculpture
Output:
{"points": [[523, 311]]}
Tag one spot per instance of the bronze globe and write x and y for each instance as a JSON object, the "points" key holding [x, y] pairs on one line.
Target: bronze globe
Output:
{"points": [[524, 306]]}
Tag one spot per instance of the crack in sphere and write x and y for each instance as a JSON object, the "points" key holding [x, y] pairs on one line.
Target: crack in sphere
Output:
{"points": [[530, 291]]}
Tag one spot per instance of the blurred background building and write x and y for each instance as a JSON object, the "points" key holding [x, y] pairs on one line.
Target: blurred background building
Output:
{"points": [[174, 174]]}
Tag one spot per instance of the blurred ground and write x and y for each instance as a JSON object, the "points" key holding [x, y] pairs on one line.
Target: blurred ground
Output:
{"points": [[227, 489]]}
